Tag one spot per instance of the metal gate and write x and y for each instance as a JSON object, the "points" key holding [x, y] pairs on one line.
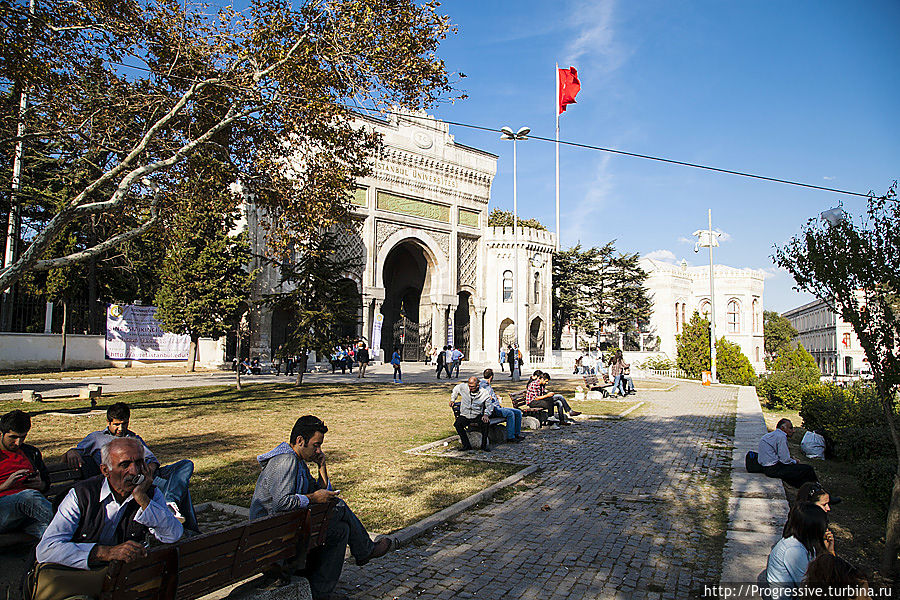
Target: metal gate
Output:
{"points": [[410, 337], [461, 338]]}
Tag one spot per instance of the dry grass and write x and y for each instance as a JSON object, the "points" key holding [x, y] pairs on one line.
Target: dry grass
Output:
{"points": [[222, 430], [101, 372], [857, 522]]}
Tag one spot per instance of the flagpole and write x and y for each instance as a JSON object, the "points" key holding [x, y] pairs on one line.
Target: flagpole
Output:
{"points": [[556, 112]]}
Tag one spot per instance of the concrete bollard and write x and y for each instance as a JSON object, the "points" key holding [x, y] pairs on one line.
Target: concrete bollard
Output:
{"points": [[30, 396], [91, 392]]}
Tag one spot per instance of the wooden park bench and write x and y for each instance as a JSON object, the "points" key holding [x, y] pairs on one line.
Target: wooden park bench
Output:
{"points": [[198, 566], [593, 384], [518, 401], [497, 438]]}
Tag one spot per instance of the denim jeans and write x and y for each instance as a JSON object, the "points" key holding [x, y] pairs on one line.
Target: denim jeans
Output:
{"points": [[28, 511], [324, 565], [560, 399], [172, 480], [619, 385], [513, 418]]}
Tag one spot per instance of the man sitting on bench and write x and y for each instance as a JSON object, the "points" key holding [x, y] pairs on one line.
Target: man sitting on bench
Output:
{"points": [[108, 517], [537, 396], [23, 477], [172, 480], [513, 416], [474, 407], [286, 484]]}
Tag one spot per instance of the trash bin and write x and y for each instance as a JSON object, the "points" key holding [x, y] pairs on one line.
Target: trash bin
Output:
{"points": [[706, 377]]}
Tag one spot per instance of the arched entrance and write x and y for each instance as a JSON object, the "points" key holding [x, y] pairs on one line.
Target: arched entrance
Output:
{"points": [[407, 324], [461, 323], [507, 333], [348, 330], [536, 339]]}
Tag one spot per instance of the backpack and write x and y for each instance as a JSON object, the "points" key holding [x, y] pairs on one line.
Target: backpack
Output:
{"points": [[751, 462]]}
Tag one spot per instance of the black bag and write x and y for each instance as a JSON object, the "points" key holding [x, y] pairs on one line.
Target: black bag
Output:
{"points": [[751, 461]]}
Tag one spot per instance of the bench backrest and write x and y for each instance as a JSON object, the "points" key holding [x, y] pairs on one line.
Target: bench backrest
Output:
{"points": [[62, 478], [198, 566], [518, 398]]}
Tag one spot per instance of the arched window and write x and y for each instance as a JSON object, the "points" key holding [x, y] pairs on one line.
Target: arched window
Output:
{"points": [[734, 316], [756, 353], [704, 309], [755, 316], [683, 320], [537, 287], [677, 318], [507, 286]]}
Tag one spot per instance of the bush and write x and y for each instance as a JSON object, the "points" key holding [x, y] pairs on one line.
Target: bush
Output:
{"points": [[877, 475], [792, 373], [731, 364], [657, 363]]}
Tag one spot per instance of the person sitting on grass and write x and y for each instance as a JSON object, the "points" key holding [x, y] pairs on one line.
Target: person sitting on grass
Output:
{"points": [[806, 537], [830, 576], [23, 477], [474, 407], [513, 416], [812, 491], [775, 457], [286, 484], [107, 517], [173, 480]]}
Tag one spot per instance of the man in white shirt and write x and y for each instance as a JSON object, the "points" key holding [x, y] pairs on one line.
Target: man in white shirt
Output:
{"points": [[108, 517], [775, 457]]}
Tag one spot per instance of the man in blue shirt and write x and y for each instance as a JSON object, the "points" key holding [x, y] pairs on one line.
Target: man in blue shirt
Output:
{"points": [[286, 484], [775, 457], [172, 480], [513, 416]]}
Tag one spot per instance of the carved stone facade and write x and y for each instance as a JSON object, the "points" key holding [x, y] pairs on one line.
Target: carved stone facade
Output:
{"points": [[431, 265]]}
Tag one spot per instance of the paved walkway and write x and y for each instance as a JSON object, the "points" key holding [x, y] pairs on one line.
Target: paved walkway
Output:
{"points": [[620, 509]]}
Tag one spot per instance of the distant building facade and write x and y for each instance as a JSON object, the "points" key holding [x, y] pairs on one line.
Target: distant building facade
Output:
{"points": [[679, 290], [830, 340], [431, 269]]}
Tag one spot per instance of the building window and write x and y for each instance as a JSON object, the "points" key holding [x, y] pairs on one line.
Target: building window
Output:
{"points": [[677, 319], [756, 353], [704, 309], [683, 321], [734, 316], [755, 316], [507, 286], [537, 287]]}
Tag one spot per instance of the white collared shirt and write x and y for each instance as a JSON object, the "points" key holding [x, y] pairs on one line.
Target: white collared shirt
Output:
{"points": [[56, 545]]}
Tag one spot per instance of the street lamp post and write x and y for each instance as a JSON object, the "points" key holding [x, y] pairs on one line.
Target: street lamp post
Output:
{"points": [[707, 239], [521, 134]]}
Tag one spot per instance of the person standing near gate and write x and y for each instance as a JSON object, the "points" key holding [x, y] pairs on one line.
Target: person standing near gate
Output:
{"points": [[456, 357], [362, 357], [395, 361]]}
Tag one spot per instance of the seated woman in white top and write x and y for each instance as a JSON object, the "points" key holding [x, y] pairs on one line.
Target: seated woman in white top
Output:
{"points": [[806, 536]]}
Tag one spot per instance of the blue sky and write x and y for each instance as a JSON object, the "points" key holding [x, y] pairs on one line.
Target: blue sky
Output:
{"points": [[797, 90]]}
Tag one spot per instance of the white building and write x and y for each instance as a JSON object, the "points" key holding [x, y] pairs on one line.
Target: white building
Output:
{"points": [[679, 290], [431, 266], [830, 340]]}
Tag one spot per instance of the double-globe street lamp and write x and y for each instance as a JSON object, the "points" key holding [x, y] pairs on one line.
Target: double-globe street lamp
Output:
{"points": [[522, 134]]}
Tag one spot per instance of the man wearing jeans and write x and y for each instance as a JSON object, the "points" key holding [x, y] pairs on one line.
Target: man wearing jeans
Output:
{"points": [[474, 407], [172, 480], [513, 416], [23, 477]]}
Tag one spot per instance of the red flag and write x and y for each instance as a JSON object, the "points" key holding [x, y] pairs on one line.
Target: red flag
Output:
{"points": [[569, 86]]}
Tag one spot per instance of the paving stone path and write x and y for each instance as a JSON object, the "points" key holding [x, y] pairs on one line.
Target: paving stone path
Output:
{"points": [[620, 509]]}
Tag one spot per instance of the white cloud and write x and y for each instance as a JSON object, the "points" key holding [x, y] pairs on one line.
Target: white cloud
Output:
{"points": [[828, 178], [597, 199], [773, 272], [595, 44], [661, 255], [723, 236], [684, 240]]}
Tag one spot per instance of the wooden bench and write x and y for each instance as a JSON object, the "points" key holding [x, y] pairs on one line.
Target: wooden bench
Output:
{"points": [[198, 566], [593, 384], [518, 401], [497, 438]]}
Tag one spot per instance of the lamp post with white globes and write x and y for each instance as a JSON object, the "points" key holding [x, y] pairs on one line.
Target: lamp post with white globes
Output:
{"points": [[522, 134], [707, 238]]}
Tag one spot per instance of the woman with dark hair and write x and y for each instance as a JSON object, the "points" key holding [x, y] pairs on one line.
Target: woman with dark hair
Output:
{"points": [[811, 491], [829, 573], [806, 536]]}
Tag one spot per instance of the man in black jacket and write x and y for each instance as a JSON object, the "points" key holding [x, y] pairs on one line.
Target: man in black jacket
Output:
{"points": [[23, 477]]}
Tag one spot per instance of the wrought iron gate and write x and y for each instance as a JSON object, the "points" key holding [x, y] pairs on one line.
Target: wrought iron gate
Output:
{"points": [[410, 337], [461, 338]]}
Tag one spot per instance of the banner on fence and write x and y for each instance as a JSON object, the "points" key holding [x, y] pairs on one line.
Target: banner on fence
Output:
{"points": [[133, 333]]}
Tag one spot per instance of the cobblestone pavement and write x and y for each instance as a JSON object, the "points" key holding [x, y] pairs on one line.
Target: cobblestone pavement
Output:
{"points": [[620, 509]]}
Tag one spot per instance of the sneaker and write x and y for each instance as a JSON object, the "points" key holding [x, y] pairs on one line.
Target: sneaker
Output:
{"points": [[574, 413], [174, 508], [553, 420], [554, 426]]}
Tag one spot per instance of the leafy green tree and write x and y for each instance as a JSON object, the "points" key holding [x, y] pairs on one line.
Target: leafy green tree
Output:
{"points": [[777, 333], [580, 295], [204, 276], [731, 364], [790, 373], [134, 89], [320, 305], [630, 306], [692, 347], [853, 266], [504, 218]]}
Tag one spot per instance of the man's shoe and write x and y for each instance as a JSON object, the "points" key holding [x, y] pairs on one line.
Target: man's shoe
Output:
{"points": [[574, 413], [174, 508], [382, 547], [553, 420], [554, 426], [519, 438]]}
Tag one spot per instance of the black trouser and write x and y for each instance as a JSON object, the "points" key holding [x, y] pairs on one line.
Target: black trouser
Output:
{"points": [[463, 422], [795, 474], [324, 564], [440, 367]]}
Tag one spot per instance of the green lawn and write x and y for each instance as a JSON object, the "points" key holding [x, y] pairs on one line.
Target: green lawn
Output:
{"points": [[222, 430]]}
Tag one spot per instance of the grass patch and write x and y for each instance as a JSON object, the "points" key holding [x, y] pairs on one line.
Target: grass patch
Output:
{"points": [[222, 430], [101, 372], [857, 522]]}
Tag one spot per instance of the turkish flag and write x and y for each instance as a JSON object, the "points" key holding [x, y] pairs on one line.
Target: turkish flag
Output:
{"points": [[569, 86]]}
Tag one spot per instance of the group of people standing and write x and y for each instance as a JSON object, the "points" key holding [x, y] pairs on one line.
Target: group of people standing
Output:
{"points": [[448, 360]]}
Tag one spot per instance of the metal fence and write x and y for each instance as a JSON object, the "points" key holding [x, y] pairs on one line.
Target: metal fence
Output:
{"points": [[29, 314]]}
